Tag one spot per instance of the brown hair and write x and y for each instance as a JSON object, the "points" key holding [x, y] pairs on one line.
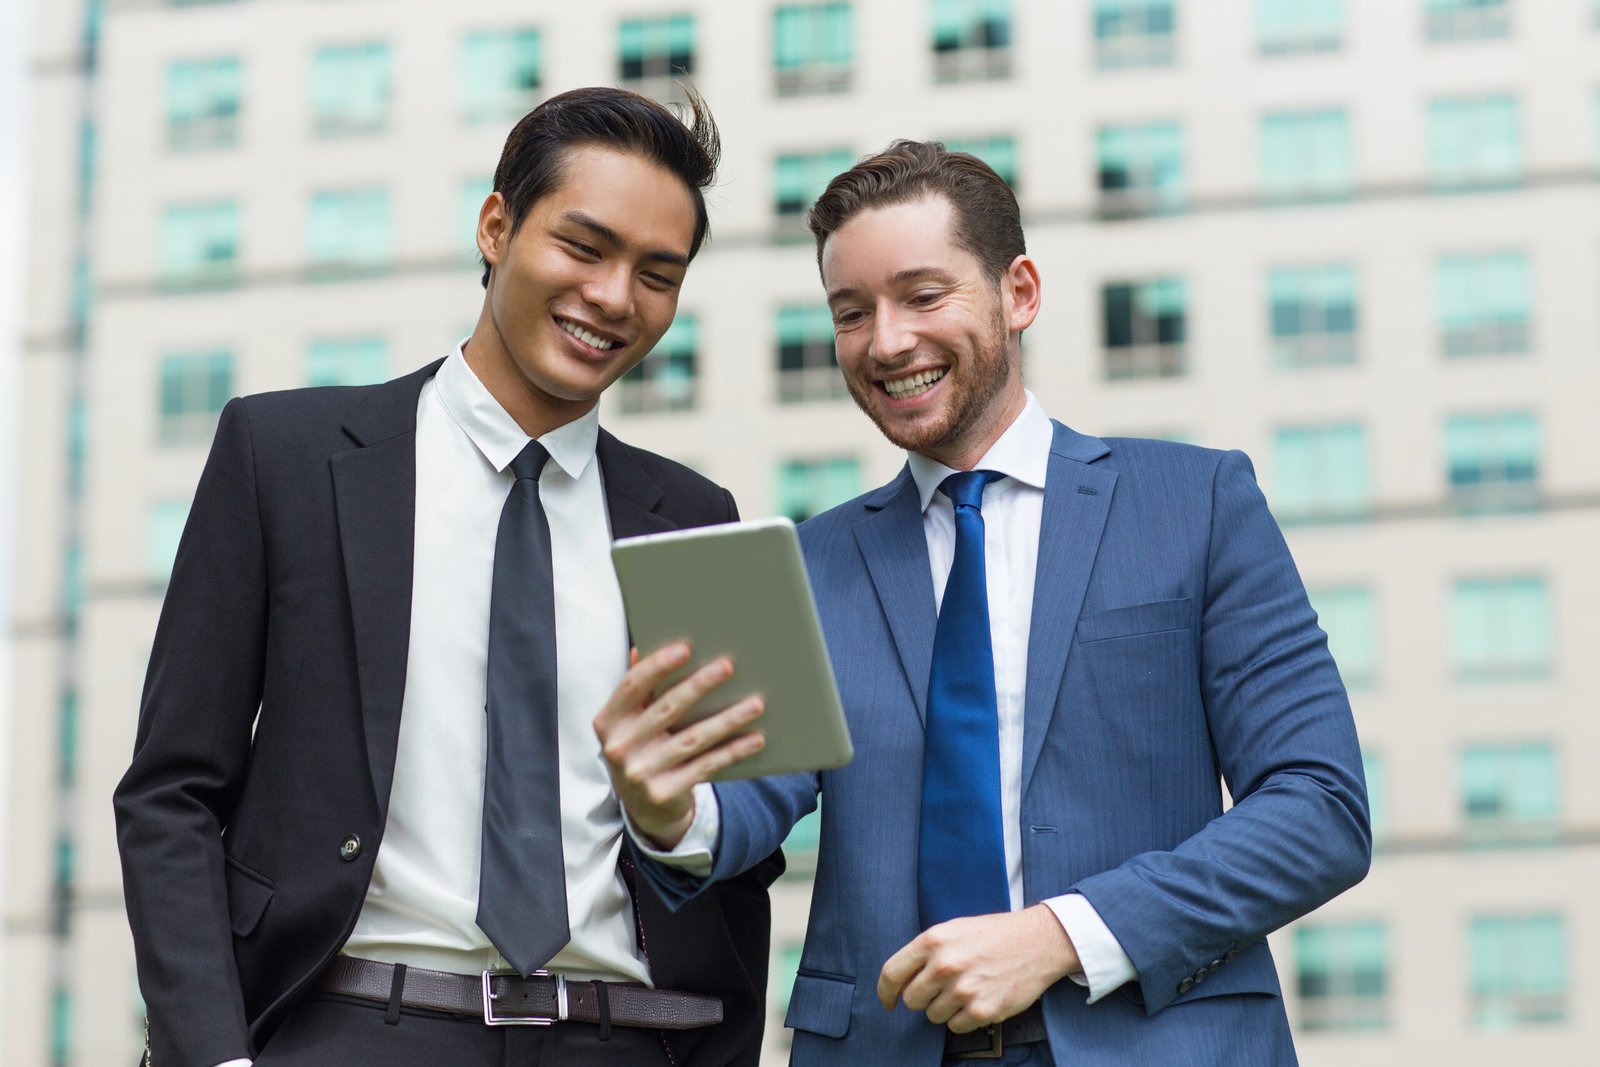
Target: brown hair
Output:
{"points": [[987, 221], [533, 161]]}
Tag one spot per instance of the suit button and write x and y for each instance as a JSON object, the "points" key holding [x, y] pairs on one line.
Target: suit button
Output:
{"points": [[350, 847], [1232, 954], [1185, 985], [1200, 975], [1215, 964]]}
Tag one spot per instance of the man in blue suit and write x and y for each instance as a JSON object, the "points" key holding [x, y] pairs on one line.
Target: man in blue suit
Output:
{"points": [[1054, 651]]}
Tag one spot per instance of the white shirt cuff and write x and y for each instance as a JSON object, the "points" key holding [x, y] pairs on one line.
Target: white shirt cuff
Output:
{"points": [[1105, 965], [235, 1063], [693, 855]]}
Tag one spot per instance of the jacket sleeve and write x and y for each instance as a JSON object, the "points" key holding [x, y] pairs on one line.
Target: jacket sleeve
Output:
{"points": [[191, 752], [1280, 722]]}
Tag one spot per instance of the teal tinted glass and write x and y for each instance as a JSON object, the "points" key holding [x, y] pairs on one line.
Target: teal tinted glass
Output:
{"points": [[798, 179], [474, 191], [1483, 303], [500, 73], [350, 86], [1496, 449], [1376, 773], [349, 227], [204, 97], [200, 243], [1519, 970], [1312, 315], [1341, 971], [1286, 26], [1144, 159], [808, 487], [805, 325], [1306, 155], [347, 361], [1474, 141], [1500, 629], [810, 35], [1349, 618], [999, 152], [665, 379], [164, 527], [1509, 783], [193, 389], [1320, 472]]}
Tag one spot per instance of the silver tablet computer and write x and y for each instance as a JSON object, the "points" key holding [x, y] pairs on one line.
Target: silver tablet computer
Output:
{"points": [[740, 590]]}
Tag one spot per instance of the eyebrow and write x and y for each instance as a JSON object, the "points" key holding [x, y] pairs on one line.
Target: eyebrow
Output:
{"points": [[910, 274], [616, 240]]}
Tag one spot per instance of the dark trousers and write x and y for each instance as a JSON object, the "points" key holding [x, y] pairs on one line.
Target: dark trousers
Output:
{"points": [[328, 1030]]}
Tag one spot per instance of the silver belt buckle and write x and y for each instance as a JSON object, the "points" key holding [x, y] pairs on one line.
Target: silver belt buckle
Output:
{"points": [[490, 996]]}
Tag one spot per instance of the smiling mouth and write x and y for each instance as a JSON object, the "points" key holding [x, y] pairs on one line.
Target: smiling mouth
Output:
{"points": [[593, 340], [915, 385]]}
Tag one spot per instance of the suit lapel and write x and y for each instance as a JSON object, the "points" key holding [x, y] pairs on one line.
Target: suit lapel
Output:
{"points": [[632, 496], [1076, 500], [896, 553], [375, 493]]}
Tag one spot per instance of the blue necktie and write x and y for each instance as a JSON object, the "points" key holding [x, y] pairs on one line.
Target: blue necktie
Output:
{"points": [[961, 864], [522, 890]]}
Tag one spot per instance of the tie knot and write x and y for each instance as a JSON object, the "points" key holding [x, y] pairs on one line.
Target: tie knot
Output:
{"points": [[530, 461], [965, 489]]}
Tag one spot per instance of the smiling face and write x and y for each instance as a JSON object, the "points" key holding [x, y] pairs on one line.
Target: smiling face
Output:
{"points": [[927, 343], [584, 289]]}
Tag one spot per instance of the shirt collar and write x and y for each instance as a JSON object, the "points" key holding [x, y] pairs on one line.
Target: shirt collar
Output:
{"points": [[1022, 453], [496, 434]]}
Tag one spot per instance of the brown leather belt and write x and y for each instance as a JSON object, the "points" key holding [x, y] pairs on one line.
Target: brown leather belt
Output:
{"points": [[991, 1042], [511, 1000]]}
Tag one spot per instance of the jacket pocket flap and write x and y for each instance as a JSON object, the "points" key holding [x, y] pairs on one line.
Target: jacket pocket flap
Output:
{"points": [[820, 1005], [248, 896], [1137, 619]]}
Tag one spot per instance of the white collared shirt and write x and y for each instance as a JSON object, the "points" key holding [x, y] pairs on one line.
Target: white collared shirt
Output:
{"points": [[421, 905]]}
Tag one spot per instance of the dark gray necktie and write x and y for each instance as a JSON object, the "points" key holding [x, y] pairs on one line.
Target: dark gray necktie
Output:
{"points": [[522, 892]]}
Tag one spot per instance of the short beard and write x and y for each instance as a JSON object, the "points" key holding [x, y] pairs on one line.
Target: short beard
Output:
{"points": [[985, 378]]}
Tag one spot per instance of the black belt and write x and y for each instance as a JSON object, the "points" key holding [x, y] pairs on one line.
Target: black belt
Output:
{"points": [[511, 1000], [990, 1043]]}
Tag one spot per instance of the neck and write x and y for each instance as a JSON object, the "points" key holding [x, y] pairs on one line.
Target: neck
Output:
{"points": [[533, 410], [964, 454]]}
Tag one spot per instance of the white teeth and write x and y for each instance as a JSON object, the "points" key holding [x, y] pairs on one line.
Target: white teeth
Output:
{"points": [[585, 336], [914, 385]]}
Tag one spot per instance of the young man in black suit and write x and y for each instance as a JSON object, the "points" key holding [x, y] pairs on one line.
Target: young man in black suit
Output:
{"points": [[366, 811]]}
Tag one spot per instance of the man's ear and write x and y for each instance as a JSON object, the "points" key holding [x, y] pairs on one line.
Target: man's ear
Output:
{"points": [[494, 228], [1020, 293]]}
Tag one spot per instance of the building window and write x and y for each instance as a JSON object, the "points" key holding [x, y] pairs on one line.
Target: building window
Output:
{"points": [[499, 75], [1483, 304], [1509, 792], [1297, 27], [1135, 33], [1375, 772], [194, 388], [1306, 155], [664, 380], [474, 191], [1312, 315], [1519, 970], [799, 179], [1493, 460], [1474, 142], [348, 230], [1347, 614], [200, 244], [652, 52], [1466, 20], [1500, 629], [971, 39], [203, 99], [1145, 328], [347, 361], [1140, 169], [1319, 473], [812, 49], [350, 89], [808, 367], [1341, 970], [808, 487], [163, 529], [998, 152]]}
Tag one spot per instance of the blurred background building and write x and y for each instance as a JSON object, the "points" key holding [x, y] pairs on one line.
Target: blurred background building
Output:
{"points": [[1359, 239]]}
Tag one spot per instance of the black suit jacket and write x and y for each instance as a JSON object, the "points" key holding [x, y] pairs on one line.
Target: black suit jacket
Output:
{"points": [[255, 803]]}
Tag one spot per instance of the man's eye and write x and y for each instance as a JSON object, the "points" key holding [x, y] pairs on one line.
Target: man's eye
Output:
{"points": [[582, 249]]}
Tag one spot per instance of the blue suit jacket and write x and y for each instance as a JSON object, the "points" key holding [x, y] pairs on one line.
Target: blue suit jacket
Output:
{"points": [[1172, 649]]}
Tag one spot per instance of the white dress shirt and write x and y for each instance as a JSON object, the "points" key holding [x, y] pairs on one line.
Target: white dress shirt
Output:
{"points": [[1013, 509], [422, 902]]}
